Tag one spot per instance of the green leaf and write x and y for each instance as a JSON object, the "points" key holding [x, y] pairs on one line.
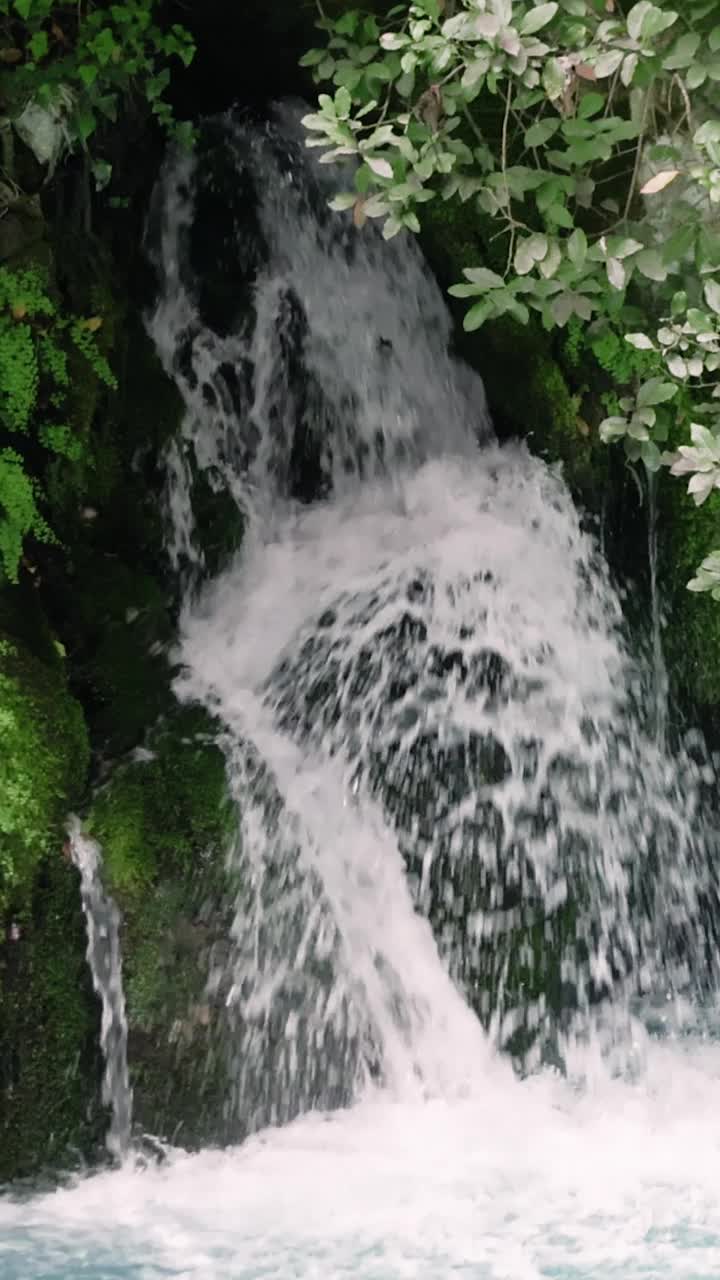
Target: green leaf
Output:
{"points": [[382, 168], [347, 24], [475, 71], [637, 429], [464, 291], [613, 429], [312, 58], [697, 320], [84, 121], [696, 76], [103, 46], [608, 63], [518, 310], [537, 18], [680, 243], [712, 296], [23, 7], [682, 52], [616, 273], [88, 73], [551, 262], [38, 46], [558, 215], [623, 247], [655, 391], [577, 248], [651, 265], [628, 69], [657, 21], [107, 104], [343, 103], [636, 18], [540, 132], [342, 201], [553, 78], [102, 173], [651, 456], [393, 40], [590, 104], [484, 278], [707, 133], [640, 341], [391, 227], [530, 250], [476, 316]]}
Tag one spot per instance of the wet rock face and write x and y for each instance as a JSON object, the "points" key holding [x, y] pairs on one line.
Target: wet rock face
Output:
{"points": [[508, 814], [425, 722], [225, 244]]}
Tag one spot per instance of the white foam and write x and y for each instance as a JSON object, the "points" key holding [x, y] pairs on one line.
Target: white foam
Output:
{"points": [[530, 1180]]}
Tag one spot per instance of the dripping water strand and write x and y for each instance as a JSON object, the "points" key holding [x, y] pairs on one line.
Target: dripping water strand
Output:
{"points": [[104, 959]]}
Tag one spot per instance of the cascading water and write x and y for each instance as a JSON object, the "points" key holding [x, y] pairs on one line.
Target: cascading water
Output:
{"points": [[458, 825], [103, 955], [423, 674]]}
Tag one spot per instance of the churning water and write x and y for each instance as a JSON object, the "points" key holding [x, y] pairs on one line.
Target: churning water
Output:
{"points": [[459, 831]]}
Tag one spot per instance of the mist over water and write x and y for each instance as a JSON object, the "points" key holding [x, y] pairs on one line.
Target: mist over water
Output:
{"points": [[464, 852]]}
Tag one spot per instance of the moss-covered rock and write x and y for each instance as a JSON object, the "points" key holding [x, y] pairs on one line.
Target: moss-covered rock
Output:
{"points": [[165, 824], [692, 634], [166, 813], [43, 762], [50, 1061], [118, 633], [529, 392]]}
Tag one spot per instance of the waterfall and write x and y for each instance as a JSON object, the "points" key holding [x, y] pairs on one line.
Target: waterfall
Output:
{"points": [[103, 956], [435, 725]]}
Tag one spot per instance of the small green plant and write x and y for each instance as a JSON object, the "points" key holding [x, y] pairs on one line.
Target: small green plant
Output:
{"points": [[73, 64], [586, 133], [36, 342]]}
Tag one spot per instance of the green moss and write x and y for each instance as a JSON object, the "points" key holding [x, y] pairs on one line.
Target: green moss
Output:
{"points": [[50, 1063], [165, 825], [43, 764], [22, 619], [118, 632], [164, 816]]}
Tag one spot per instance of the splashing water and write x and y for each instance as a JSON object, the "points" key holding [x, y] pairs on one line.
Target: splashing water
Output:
{"points": [[526, 1182], [103, 956], [458, 828]]}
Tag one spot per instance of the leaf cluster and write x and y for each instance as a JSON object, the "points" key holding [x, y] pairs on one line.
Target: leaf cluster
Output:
{"points": [[36, 344], [589, 133], [70, 65]]}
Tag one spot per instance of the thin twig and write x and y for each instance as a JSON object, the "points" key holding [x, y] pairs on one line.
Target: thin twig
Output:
{"points": [[686, 99], [638, 157]]}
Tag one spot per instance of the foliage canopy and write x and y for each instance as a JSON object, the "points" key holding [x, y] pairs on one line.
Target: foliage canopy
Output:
{"points": [[73, 63], [588, 132]]}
